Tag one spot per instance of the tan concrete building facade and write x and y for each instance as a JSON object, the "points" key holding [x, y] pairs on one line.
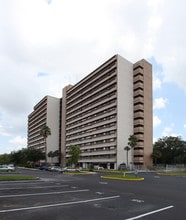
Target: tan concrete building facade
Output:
{"points": [[100, 112], [46, 112]]}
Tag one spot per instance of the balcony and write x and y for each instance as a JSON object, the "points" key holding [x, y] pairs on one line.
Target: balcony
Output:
{"points": [[138, 99], [138, 92], [138, 129], [97, 153], [138, 122], [97, 160], [139, 107], [138, 114], [138, 160], [138, 85], [139, 152], [138, 77]]}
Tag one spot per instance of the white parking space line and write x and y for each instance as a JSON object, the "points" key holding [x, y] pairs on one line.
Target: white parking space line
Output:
{"points": [[34, 187], [103, 183], [150, 213], [59, 204], [48, 193]]}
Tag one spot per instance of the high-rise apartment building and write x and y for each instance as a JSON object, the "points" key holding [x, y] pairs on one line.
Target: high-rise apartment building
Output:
{"points": [[101, 111], [46, 112]]}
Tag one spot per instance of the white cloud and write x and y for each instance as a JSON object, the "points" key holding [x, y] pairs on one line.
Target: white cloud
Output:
{"points": [[184, 125], [156, 121], [17, 143], [156, 83], [65, 40], [160, 103], [18, 140], [168, 131]]}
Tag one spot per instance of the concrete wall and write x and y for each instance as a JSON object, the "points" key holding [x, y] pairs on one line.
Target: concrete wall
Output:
{"points": [[125, 108], [53, 105]]}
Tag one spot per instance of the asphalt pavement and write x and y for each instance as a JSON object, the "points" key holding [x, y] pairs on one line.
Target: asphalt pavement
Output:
{"points": [[89, 197]]}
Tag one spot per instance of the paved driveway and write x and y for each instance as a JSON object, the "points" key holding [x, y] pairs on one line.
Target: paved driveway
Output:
{"points": [[88, 197]]}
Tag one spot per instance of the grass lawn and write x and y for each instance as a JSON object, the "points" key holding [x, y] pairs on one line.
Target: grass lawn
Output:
{"points": [[172, 173], [122, 177], [14, 178]]}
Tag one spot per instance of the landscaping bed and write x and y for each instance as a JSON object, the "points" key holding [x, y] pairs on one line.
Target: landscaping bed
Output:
{"points": [[16, 177]]}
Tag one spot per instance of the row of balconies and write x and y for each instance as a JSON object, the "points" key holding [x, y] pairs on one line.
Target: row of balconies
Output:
{"points": [[93, 124], [36, 130], [99, 88], [93, 137], [97, 99], [36, 138], [90, 110], [97, 149], [102, 117], [108, 106], [38, 143], [97, 160], [35, 119], [88, 82], [37, 125], [88, 132], [95, 153], [37, 111], [93, 117], [95, 145], [103, 139]]}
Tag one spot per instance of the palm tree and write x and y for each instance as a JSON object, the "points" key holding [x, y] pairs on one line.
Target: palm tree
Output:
{"points": [[45, 132], [127, 148], [132, 141]]}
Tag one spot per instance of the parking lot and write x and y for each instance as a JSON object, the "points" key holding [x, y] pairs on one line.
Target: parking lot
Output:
{"points": [[86, 197]]}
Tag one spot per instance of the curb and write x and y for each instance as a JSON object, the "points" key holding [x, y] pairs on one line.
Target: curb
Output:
{"points": [[117, 178]]}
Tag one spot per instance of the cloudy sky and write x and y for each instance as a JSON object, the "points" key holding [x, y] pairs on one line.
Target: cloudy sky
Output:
{"points": [[47, 44]]}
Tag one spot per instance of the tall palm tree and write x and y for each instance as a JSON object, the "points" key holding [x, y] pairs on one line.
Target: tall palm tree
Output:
{"points": [[127, 148], [45, 132], [132, 141]]}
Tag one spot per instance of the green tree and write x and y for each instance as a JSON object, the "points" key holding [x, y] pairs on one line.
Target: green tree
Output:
{"points": [[20, 157], [173, 150], [5, 159], [45, 131], [50, 154], [127, 148], [34, 155], [132, 141], [53, 154], [74, 152], [156, 154]]}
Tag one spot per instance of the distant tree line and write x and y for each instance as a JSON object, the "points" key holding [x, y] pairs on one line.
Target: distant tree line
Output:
{"points": [[23, 157], [166, 150]]}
